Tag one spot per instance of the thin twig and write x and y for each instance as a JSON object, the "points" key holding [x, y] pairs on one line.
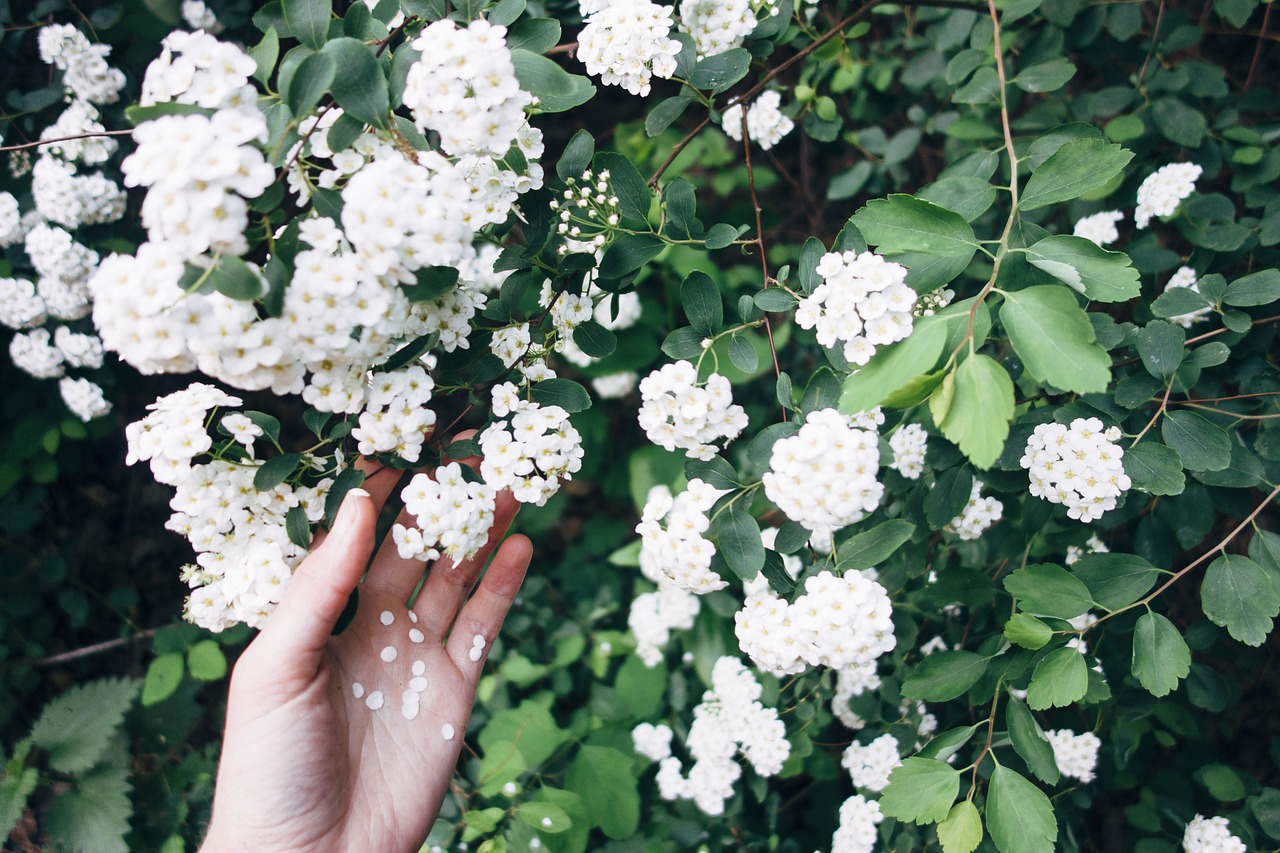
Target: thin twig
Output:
{"points": [[764, 261], [1155, 34], [95, 649], [37, 144], [1257, 50]]}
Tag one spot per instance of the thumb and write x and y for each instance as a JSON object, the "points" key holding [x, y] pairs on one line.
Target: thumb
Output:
{"points": [[320, 586]]}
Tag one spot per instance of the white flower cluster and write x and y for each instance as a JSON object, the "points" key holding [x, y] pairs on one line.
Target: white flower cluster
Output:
{"points": [[1094, 545], [1079, 467], [199, 16], [627, 43], [452, 516], [64, 196], [1099, 227], [653, 742], [80, 118], [857, 831], [824, 476], [851, 682], [839, 622], [862, 303], [84, 398], [588, 211], [1075, 754], [63, 267], [1163, 190], [766, 123], [677, 412], [909, 444], [717, 25], [654, 615], [870, 764], [174, 433], [396, 417], [85, 72], [978, 514], [1211, 835], [195, 68], [679, 551], [729, 721], [530, 451], [33, 353], [1186, 277], [464, 87]]}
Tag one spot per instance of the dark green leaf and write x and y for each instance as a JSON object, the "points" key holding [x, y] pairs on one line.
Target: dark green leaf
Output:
{"points": [[1203, 445], [1160, 656], [903, 223], [309, 20], [1115, 580], [298, 527], [347, 479], [536, 35], [1048, 590], [1046, 76], [1029, 741], [942, 676], [1019, 815], [743, 354], [627, 183], [1161, 346], [702, 304], [629, 253], [683, 343], [504, 13], [595, 340], [1259, 288], [665, 113], [1178, 122], [720, 236], [432, 283], [556, 89], [1078, 167], [565, 393], [1155, 469], [577, 155], [604, 779], [1060, 679], [737, 538], [872, 547], [361, 88], [719, 72], [275, 471], [1240, 596], [264, 54], [948, 496], [774, 299], [714, 471]]}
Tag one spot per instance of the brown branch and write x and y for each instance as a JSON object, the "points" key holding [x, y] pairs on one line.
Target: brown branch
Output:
{"points": [[95, 649], [764, 261], [24, 145], [567, 49]]}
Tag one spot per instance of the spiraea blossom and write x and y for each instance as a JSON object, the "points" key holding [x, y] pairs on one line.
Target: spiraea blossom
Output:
{"points": [[1163, 190], [909, 444], [628, 44], [851, 682], [452, 516], [978, 514], [673, 543], [1099, 227], [196, 68], [85, 71], [84, 398], [396, 416], [1078, 466], [654, 615], [717, 25], [857, 831], [1211, 835], [869, 764], [678, 412], [530, 449], [1094, 545], [1075, 754], [862, 303], [1186, 277], [653, 742], [766, 123], [824, 476]]}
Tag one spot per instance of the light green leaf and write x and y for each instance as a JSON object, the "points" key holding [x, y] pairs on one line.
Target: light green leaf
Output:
{"points": [[1202, 444], [1086, 267], [309, 20], [1029, 741], [1019, 815], [206, 661], [1048, 590], [894, 366], [872, 547], [961, 832], [530, 727], [14, 791], [981, 406], [163, 677], [544, 817], [904, 223], [1076, 168], [1239, 595], [920, 790], [361, 89], [942, 676], [1046, 76], [1059, 679], [556, 89], [1160, 656], [1155, 469], [77, 727], [603, 777], [1027, 631], [1055, 339]]}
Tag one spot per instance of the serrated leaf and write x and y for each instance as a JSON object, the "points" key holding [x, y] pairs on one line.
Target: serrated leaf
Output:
{"points": [[920, 790], [892, 367], [1115, 580], [904, 223], [1027, 631], [1240, 596], [942, 676], [1086, 267], [1048, 590], [1061, 678], [1160, 656], [93, 816], [604, 779], [980, 406], [948, 743], [872, 547], [1019, 815], [1077, 167], [1155, 469], [14, 791], [1202, 444], [76, 728], [1055, 339], [1029, 741], [961, 832]]}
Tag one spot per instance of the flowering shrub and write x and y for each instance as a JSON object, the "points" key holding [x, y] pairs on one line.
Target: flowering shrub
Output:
{"points": [[932, 356]]}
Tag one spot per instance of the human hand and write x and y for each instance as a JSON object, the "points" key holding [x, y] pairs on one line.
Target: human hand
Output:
{"points": [[307, 764]]}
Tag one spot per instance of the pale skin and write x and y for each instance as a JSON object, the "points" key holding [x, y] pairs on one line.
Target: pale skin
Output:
{"points": [[308, 766]]}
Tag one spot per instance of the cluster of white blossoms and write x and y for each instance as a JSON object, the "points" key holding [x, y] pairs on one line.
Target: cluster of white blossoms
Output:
{"points": [[195, 68], [654, 615], [766, 123], [63, 137], [978, 514], [857, 831], [840, 622], [824, 476], [464, 88], [850, 682], [531, 449], [174, 433], [451, 516], [587, 212], [627, 43], [85, 72], [729, 721], [396, 417], [63, 268], [1075, 754], [673, 544], [717, 26], [909, 444], [199, 16], [1093, 545], [677, 412], [870, 764], [862, 303], [1185, 276], [1079, 466], [1163, 190], [1099, 227], [1211, 835], [653, 742]]}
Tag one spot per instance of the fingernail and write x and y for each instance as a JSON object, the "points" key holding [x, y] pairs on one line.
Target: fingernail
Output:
{"points": [[347, 512], [361, 492]]}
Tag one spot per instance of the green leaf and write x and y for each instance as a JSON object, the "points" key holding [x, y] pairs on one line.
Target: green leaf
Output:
{"points": [[275, 471], [628, 184], [1029, 741], [665, 114], [720, 236], [483, 821], [702, 304], [920, 790], [961, 832], [1178, 300], [530, 727], [536, 35], [264, 54], [504, 13], [347, 479], [93, 815], [1160, 656], [948, 497], [431, 283], [1055, 339], [1162, 348], [1061, 678], [629, 253], [1046, 76], [737, 538], [1019, 815], [1048, 590], [556, 89], [904, 223], [163, 677], [236, 279], [942, 676], [1085, 266], [872, 547], [1115, 580], [604, 779], [716, 73], [981, 406], [76, 728], [1078, 167], [1202, 444], [1027, 631], [948, 743], [544, 817], [1240, 596], [577, 155], [743, 354], [15, 788], [206, 662], [892, 367], [1259, 288], [1178, 122], [774, 299], [1155, 469], [361, 88], [565, 393], [595, 340], [309, 20]]}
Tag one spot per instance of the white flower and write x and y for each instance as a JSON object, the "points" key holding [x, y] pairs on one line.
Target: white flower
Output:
{"points": [[1163, 190], [1094, 545], [766, 125], [653, 742], [717, 25], [1075, 754], [870, 764], [978, 514], [627, 44], [1079, 467], [530, 450], [1099, 227], [862, 303], [677, 412], [1210, 835], [84, 398], [674, 550], [451, 514], [909, 444], [857, 831]]}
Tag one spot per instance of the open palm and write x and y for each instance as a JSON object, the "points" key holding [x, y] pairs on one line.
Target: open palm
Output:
{"points": [[307, 764]]}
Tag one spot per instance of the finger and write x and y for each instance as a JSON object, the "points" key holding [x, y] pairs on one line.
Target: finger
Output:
{"points": [[379, 482], [448, 585], [479, 622], [319, 588]]}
